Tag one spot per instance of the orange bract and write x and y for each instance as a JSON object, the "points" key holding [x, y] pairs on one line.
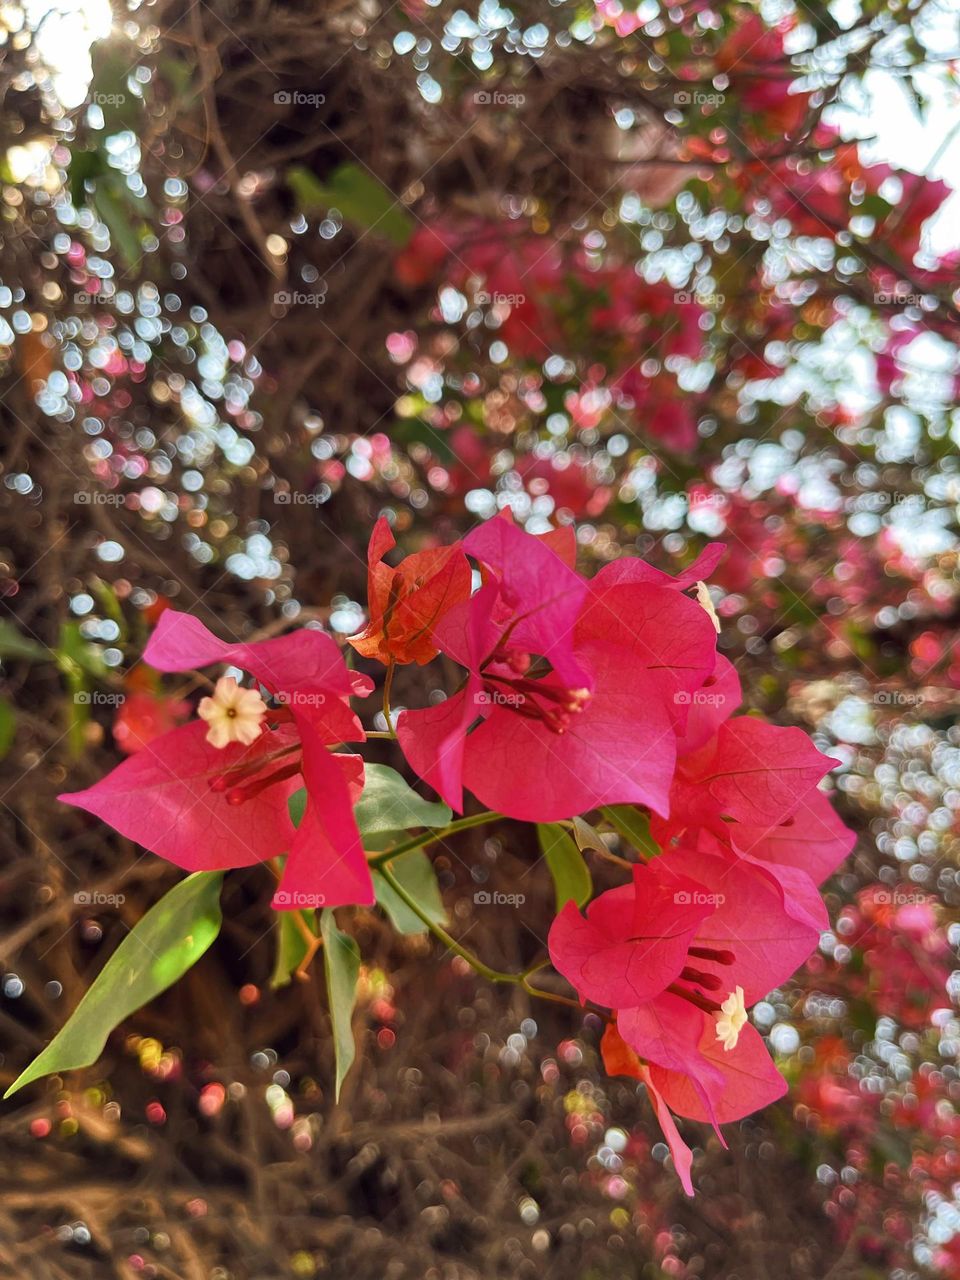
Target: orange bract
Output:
{"points": [[407, 602]]}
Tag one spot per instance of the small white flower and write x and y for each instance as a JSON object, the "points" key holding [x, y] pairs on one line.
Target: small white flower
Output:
{"points": [[234, 714], [731, 1019]]}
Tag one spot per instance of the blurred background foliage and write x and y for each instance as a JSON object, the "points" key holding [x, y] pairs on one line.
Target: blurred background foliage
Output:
{"points": [[271, 269]]}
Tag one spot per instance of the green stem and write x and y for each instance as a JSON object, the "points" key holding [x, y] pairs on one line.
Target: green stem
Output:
{"points": [[387, 683], [611, 857], [521, 980], [552, 996], [492, 975], [539, 992], [428, 837]]}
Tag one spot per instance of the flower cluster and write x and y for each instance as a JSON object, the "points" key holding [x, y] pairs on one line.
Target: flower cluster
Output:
{"points": [[547, 294], [575, 695]]}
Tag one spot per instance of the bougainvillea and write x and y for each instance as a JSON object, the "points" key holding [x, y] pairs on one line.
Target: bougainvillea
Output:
{"points": [[395, 269], [579, 694]]}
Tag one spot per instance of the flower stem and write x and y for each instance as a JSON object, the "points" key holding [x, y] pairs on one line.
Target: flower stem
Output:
{"points": [[492, 975], [429, 837], [612, 857], [387, 684], [548, 995], [521, 980]]}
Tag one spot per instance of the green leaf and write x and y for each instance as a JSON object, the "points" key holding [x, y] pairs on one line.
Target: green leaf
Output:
{"points": [[388, 803], [85, 166], [110, 87], [309, 191], [125, 233], [571, 876], [341, 963], [178, 74], [875, 206], [110, 603], [633, 826], [8, 726], [78, 660], [14, 644], [408, 431], [161, 947], [296, 805], [415, 872], [360, 198], [291, 948], [76, 654]]}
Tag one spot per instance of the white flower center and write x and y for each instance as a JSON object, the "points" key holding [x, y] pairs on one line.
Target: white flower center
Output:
{"points": [[233, 714], [731, 1019]]}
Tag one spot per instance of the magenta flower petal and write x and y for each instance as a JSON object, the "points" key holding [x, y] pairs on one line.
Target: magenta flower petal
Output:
{"points": [[813, 838], [646, 649], [682, 1155], [327, 866], [714, 702], [752, 772], [575, 694], [620, 1060], [633, 942], [751, 1080], [750, 920], [640, 628], [206, 808], [667, 1032], [521, 767], [162, 799], [467, 632], [632, 569], [542, 593], [434, 741], [304, 669]]}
